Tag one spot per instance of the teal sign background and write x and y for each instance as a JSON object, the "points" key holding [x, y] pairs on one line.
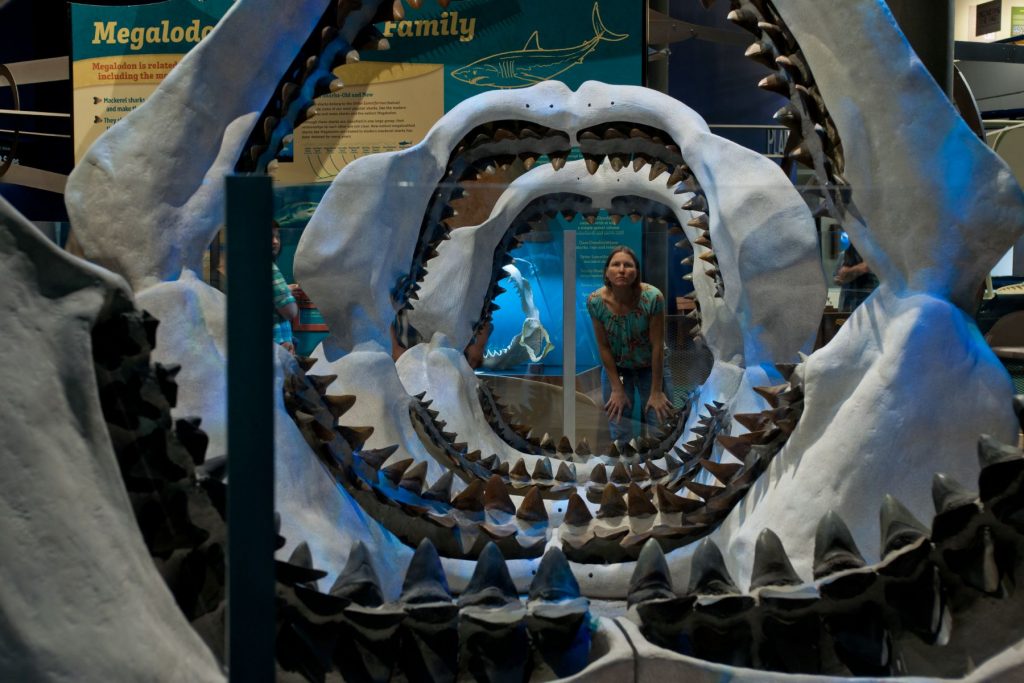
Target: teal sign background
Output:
{"points": [[534, 39], [176, 13]]}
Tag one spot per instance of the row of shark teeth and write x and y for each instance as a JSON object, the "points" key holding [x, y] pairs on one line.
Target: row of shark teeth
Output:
{"points": [[394, 490], [426, 635], [396, 493], [854, 618], [708, 428], [178, 496], [813, 138], [698, 205], [515, 435], [624, 143], [310, 75], [651, 510], [522, 438], [637, 504], [500, 143]]}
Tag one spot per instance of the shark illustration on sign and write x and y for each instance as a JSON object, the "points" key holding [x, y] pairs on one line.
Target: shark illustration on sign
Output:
{"points": [[533, 64]]}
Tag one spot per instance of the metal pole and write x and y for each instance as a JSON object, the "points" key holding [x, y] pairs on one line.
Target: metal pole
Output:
{"points": [[569, 336], [250, 550]]}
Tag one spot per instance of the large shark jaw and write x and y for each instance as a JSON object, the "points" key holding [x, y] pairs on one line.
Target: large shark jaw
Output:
{"points": [[766, 264], [985, 220]]}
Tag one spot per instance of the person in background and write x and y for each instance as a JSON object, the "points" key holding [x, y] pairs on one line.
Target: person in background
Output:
{"points": [[856, 279], [286, 310], [629, 323]]}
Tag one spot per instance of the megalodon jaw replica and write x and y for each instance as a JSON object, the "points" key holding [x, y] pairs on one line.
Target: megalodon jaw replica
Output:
{"points": [[865, 415]]}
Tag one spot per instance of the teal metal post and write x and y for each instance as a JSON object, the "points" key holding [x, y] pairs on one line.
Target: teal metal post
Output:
{"points": [[250, 431]]}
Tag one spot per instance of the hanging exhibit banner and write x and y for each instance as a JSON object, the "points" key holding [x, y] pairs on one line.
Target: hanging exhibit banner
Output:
{"points": [[436, 58], [121, 54]]}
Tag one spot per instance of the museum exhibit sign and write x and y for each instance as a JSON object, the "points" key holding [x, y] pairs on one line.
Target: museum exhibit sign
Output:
{"points": [[120, 54]]}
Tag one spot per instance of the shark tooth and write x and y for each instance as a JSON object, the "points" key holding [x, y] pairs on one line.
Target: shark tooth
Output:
{"points": [[638, 505], [542, 469], [771, 394], [471, 499], [583, 447], [414, 477], [744, 18], [441, 490], [754, 422], [496, 496], [490, 462], [519, 472], [703, 490], [566, 472], [613, 450], [532, 508], [599, 475], [620, 475], [1001, 468], [653, 471], [672, 463], [775, 83], [358, 581], [394, 471], [425, 581], [708, 574], [670, 503], [898, 525], [474, 456], [576, 512], [657, 168], [339, 404], [305, 362], [637, 473], [762, 53], [834, 548], [564, 446], [651, 579], [355, 436], [736, 445], [612, 503], [700, 222], [491, 584], [554, 580], [376, 457], [948, 494], [321, 382], [771, 564], [723, 472]]}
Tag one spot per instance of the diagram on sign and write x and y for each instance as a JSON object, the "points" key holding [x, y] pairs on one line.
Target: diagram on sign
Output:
{"points": [[533, 64]]}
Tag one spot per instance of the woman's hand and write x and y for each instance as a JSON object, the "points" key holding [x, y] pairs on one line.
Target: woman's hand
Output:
{"points": [[617, 403], [658, 402]]}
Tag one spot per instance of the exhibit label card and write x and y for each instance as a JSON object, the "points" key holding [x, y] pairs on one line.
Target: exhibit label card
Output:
{"points": [[121, 54]]}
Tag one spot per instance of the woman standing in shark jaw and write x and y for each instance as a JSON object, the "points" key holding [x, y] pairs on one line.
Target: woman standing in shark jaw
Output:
{"points": [[629, 325]]}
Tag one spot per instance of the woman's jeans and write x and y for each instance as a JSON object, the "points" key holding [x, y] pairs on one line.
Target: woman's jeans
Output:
{"points": [[637, 384]]}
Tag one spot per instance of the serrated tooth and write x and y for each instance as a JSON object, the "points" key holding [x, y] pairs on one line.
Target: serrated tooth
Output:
{"points": [[708, 574], [576, 512], [638, 505], [532, 508], [834, 548], [771, 564], [496, 496], [612, 503]]}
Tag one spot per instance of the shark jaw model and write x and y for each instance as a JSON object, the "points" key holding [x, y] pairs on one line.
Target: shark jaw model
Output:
{"points": [[865, 415]]}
